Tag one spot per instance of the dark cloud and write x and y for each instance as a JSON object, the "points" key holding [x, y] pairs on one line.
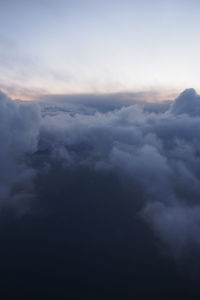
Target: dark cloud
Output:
{"points": [[19, 130], [112, 180], [153, 146]]}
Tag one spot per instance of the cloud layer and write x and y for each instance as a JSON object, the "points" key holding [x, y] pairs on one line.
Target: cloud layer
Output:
{"points": [[152, 148]]}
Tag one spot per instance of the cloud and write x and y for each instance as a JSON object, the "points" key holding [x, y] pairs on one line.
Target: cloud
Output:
{"points": [[151, 148], [177, 224], [90, 103], [19, 128], [188, 102]]}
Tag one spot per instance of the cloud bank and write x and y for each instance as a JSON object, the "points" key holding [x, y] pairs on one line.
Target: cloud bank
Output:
{"points": [[153, 149]]}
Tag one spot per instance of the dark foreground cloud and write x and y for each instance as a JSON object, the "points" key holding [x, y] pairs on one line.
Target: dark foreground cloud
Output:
{"points": [[113, 195], [19, 129]]}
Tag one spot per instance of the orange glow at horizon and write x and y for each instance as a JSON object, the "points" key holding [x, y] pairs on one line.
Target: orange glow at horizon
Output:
{"points": [[148, 96]]}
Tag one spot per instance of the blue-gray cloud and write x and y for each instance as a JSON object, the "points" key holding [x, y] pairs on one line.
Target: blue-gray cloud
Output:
{"points": [[153, 148], [19, 129]]}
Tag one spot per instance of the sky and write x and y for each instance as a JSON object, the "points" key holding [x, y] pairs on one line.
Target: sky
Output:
{"points": [[85, 46], [99, 178]]}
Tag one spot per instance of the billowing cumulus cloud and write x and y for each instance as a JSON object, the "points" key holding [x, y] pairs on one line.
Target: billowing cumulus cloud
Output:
{"points": [[187, 103], [151, 149], [154, 147]]}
